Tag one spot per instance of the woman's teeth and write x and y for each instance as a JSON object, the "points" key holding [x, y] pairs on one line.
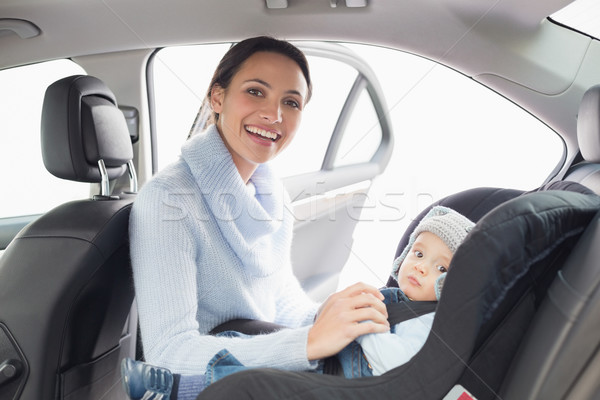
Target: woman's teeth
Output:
{"points": [[263, 133]]}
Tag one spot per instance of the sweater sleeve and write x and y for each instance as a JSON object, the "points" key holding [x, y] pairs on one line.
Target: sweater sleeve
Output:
{"points": [[294, 307], [164, 268]]}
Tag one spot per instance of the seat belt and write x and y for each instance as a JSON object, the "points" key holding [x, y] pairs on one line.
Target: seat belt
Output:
{"points": [[405, 310]]}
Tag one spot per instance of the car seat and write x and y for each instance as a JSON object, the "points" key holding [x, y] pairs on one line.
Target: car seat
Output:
{"points": [[498, 279], [65, 280], [587, 172]]}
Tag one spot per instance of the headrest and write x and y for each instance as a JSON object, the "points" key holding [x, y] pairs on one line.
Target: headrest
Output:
{"points": [[588, 125], [82, 124]]}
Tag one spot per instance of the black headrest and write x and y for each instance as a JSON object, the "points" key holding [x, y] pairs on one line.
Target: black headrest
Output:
{"points": [[588, 125], [82, 124]]}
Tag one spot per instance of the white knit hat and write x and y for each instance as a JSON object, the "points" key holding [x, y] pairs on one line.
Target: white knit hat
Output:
{"points": [[446, 224]]}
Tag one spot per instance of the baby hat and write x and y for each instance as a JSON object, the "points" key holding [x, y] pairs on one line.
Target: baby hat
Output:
{"points": [[446, 224]]}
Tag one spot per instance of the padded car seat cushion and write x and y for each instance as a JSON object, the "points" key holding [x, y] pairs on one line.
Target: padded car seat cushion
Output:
{"points": [[508, 256]]}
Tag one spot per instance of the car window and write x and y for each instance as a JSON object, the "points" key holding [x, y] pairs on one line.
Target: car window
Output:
{"points": [[493, 142], [28, 188]]}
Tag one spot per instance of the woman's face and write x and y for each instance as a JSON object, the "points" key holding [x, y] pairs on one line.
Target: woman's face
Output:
{"points": [[261, 109]]}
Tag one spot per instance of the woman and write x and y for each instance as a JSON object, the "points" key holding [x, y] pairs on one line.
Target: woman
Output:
{"points": [[211, 233]]}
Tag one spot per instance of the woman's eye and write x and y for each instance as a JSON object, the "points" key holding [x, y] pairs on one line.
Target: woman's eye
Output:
{"points": [[255, 92], [292, 103], [442, 269]]}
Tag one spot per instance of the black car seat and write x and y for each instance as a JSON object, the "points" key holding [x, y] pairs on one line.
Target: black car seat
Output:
{"points": [[497, 281], [65, 280], [587, 171]]}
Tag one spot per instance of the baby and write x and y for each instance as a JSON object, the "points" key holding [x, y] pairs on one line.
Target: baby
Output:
{"points": [[420, 271]]}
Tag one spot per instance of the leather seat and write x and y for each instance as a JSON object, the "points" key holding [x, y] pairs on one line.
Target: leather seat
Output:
{"points": [[65, 280], [587, 172]]}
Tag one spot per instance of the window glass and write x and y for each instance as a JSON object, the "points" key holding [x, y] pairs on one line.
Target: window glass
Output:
{"points": [[457, 132], [362, 135], [28, 188]]}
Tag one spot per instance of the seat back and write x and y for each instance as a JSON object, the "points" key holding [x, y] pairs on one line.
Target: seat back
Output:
{"points": [[587, 172], [560, 354], [65, 280]]}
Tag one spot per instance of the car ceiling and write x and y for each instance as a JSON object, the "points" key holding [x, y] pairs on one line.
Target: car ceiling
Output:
{"points": [[501, 43], [432, 28]]}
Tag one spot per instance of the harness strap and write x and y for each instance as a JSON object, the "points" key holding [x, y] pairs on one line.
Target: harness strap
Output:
{"points": [[405, 310]]}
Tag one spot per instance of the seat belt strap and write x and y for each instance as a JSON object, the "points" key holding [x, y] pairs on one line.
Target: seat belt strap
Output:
{"points": [[405, 310]]}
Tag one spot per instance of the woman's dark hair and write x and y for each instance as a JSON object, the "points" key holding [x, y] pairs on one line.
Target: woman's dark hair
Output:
{"points": [[232, 62]]}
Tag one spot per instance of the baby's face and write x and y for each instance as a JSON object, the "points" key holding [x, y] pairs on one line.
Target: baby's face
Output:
{"points": [[426, 260]]}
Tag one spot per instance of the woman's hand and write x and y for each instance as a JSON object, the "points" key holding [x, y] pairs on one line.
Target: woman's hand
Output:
{"points": [[340, 320]]}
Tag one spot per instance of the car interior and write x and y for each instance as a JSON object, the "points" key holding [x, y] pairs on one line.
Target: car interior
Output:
{"points": [[524, 325]]}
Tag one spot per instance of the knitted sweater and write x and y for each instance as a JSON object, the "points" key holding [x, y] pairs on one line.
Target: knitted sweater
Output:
{"points": [[205, 249]]}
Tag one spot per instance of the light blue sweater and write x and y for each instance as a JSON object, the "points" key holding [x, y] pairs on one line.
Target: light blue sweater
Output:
{"points": [[205, 249]]}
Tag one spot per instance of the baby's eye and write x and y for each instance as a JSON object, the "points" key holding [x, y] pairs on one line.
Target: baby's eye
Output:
{"points": [[255, 92], [418, 254], [442, 269]]}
